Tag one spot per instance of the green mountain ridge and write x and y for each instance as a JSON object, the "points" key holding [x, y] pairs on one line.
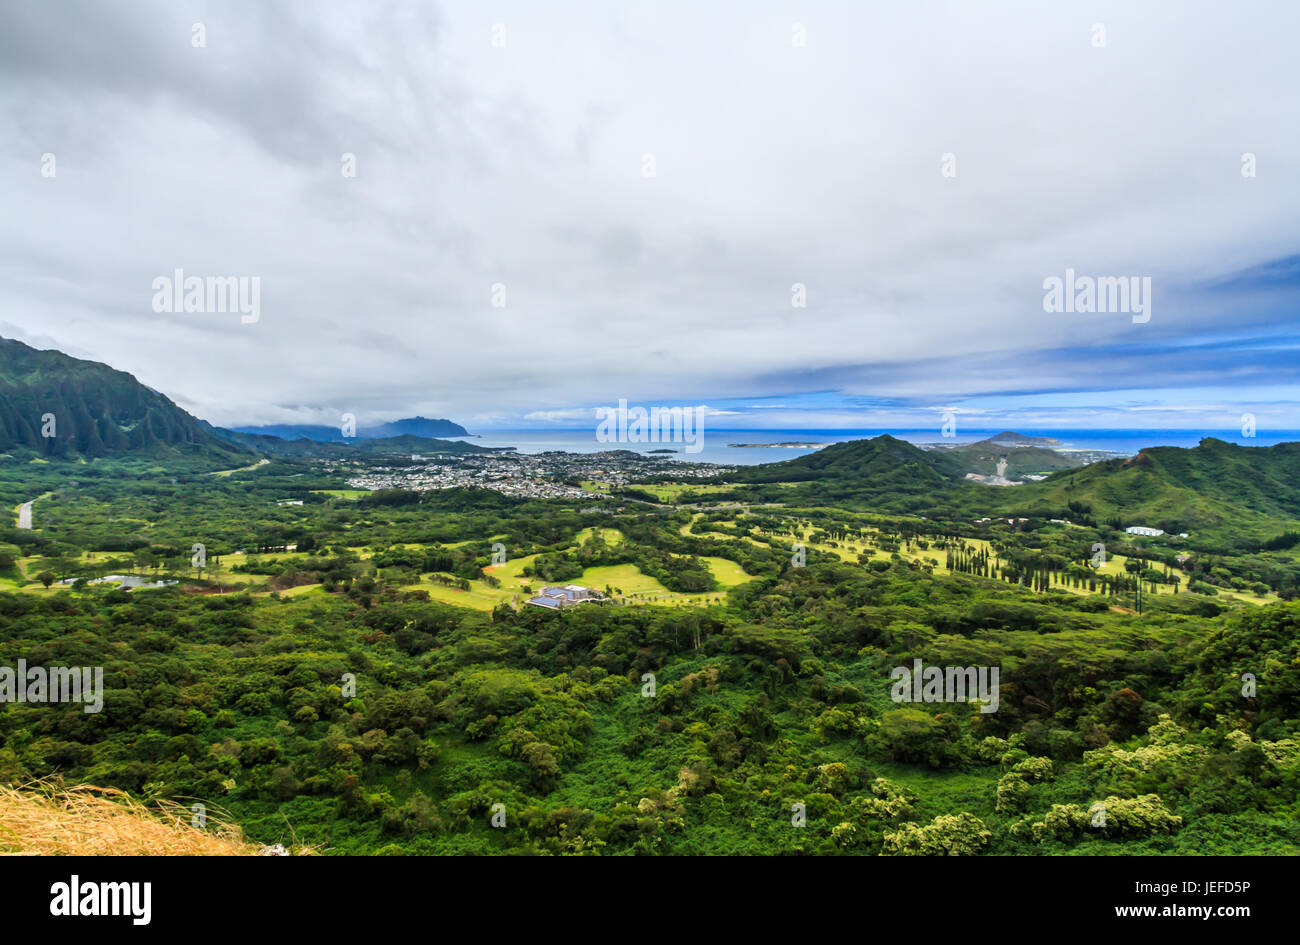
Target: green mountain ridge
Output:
{"points": [[99, 411], [1215, 486], [882, 458], [303, 447], [982, 458], [92, 410]]}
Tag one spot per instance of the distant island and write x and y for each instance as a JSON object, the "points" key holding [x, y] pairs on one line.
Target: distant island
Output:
{"points": [[784, 446], [1008, 438]]}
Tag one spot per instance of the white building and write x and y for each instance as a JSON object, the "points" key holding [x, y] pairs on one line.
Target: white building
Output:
{"points": [[1143, 530], [557, 598]]}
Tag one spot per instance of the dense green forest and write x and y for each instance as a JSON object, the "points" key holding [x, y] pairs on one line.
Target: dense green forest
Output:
{"points": [[317, 681], [778, 699], [358, 670]]}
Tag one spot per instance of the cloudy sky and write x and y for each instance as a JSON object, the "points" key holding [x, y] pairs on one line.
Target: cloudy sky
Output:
{"points": [[559, 205]]}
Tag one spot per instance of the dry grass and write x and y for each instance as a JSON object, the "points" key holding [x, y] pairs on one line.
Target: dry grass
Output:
{"points": [[48, 819]]}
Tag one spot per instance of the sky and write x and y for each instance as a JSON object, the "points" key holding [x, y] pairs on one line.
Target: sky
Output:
{"points": [[811, 215]]}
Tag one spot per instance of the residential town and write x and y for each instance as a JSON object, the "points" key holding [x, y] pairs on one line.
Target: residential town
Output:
{"points": [[547, 475]]}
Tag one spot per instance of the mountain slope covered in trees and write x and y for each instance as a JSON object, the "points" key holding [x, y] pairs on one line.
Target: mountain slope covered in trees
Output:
{"points": [[1215, 486], [59, 406]]}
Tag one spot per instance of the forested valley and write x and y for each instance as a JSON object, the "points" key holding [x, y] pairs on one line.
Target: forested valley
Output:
{"points": [[357, 673]]}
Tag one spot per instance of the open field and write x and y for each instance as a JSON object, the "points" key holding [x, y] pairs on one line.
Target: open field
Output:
{"points": [[727, 572], [666, 492], [627, 584], [611, 536], [669, 492], [230, 472]]}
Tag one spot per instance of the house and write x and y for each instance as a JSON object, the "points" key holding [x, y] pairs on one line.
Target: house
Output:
{"points": [[558, 598], [1143, 530]]}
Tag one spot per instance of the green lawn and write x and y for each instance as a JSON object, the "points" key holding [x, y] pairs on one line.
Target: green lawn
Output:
{"points": [[672, 491], [632, 586], [228, 472], [727, 572], [626, 577], [612, 536]]}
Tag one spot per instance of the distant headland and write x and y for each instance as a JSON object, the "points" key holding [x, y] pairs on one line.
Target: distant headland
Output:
{"points": [[784, 446]]}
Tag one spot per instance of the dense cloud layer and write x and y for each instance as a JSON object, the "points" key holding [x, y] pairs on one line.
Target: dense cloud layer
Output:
{"points": [[524, 166]]}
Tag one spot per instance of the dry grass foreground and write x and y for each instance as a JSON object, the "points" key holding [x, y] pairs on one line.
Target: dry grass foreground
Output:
{"points": [[46, 818]]}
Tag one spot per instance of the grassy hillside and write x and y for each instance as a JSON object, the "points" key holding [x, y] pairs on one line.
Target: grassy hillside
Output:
{"points": [[1216, 487], [882, 471], [879, 461], [45, 819]]}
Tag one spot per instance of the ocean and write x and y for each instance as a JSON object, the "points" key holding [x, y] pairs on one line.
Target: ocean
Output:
{"points": [[718, 444]]}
